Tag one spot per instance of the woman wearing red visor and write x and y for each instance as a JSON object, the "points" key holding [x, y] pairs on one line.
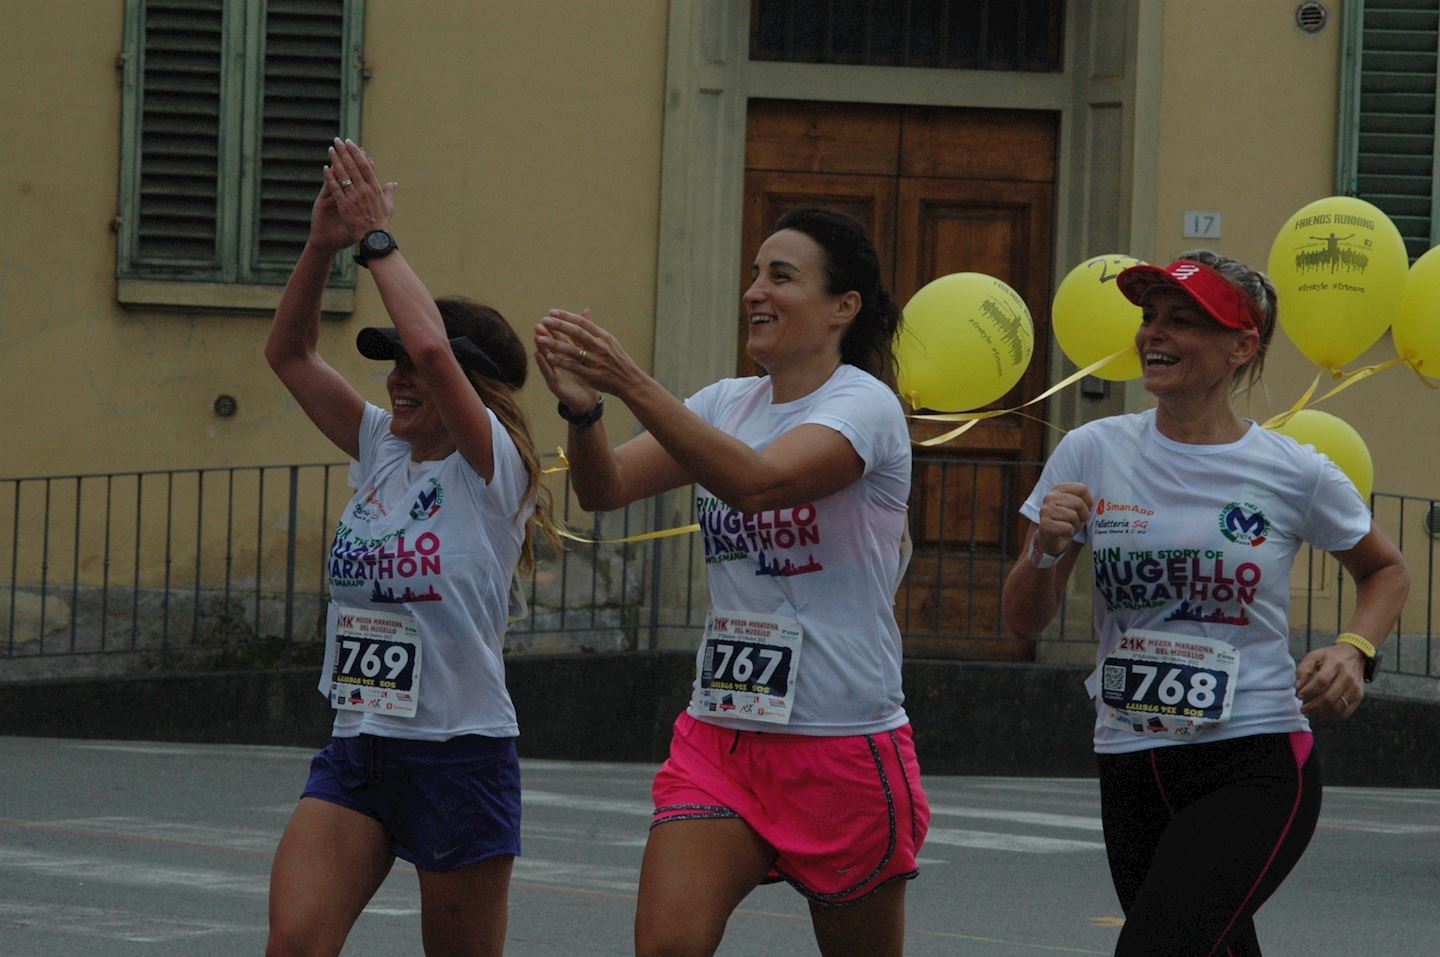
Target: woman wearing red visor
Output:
{"points": [[1209, 784]]}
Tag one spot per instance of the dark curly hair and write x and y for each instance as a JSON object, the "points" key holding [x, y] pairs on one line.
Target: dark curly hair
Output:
{"points": [[851, 263]]}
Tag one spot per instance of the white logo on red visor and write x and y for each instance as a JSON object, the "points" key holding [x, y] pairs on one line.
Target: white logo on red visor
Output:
{"points": [[1183, 273]]}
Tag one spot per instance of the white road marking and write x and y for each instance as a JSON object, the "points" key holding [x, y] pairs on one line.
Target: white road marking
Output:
{"points": [[572, 874], [1373, 827], [1019, 817], [991, 841], [113, 924], [172, 832], [75, 868], [529, 796]]}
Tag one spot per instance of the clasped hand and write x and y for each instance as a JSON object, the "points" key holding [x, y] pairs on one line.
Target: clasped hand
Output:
{"points": [[351, 201]]}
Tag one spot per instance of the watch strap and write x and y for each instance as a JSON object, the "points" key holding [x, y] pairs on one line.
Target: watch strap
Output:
{"points": [[1363, 645], [1040, 559], [586, 419], [364, 252]]}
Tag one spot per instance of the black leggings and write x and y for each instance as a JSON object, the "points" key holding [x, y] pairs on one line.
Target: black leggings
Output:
{"points": [[1200, 835]]}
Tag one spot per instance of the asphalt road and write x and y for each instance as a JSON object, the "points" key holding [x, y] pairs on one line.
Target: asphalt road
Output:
{"points": [[150, 849]]}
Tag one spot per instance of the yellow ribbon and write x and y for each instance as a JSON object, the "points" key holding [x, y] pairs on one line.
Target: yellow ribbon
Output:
{"points": [[1347, 379], [642, 537], [1425, 380], [970, 418], [564, 465]]}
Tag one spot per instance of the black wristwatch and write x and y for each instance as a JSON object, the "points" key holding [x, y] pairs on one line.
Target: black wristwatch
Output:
{"points": [[373, 245], [585, 420]]}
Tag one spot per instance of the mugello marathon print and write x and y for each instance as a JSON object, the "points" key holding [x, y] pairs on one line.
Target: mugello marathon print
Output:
{"points": [[1205, 585], [777, 539]]}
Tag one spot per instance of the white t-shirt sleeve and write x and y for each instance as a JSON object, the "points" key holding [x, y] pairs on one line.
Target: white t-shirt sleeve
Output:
{"points": [[374, 430], [708, 402], [1066, 464], [1338, 517], [507, 486], [868, 414]]}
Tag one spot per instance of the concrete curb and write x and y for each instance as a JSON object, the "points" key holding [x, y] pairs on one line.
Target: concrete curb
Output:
{"points": [[969, 717]]}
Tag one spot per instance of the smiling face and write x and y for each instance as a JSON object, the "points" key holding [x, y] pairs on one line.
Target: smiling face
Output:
{"points": [[792, 314], [416, 419], [1184, 351]]}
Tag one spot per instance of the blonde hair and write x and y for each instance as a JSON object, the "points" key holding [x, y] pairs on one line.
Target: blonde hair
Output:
{"points": [[1261, 290]]}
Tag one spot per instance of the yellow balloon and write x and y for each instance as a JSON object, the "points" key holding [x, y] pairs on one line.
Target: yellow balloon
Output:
{"points": [[1336, 440], [1417, 324], [966, 341], [1339, 267], [1092, 318]]}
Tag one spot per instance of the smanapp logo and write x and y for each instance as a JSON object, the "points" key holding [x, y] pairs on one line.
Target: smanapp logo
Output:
{"points": [[1244, 524], [1120, 518], [1102, 506]]}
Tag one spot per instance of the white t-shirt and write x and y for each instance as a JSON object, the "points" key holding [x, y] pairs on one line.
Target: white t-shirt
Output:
{"points": [[435, 541], [833, 564], [1198, 540]]}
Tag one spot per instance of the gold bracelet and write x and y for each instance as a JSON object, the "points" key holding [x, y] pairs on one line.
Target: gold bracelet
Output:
{"points": [[1358, 641]]}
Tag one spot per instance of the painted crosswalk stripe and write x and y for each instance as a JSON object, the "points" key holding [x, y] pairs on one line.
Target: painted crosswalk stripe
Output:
{"points": [[1021, 843]]}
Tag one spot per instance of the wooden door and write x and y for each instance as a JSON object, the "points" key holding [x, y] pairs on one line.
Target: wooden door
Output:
{"points": [[942, 191]]}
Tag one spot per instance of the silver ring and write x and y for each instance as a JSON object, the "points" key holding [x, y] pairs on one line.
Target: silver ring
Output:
{"points": [[580, 356], [345, 182], [1343, 702]]}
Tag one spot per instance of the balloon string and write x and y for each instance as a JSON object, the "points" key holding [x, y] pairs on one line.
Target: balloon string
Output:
{"points": [[1425, 380], [1275, 421], [1347, 379], [968, 418], [564, 466], [971, 418], [642, 537]]}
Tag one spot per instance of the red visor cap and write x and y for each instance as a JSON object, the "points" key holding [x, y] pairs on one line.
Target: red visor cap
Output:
{"points": [[1220, 298]]}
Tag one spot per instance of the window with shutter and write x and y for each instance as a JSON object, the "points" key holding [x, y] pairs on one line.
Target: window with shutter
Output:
{"points": [[1025, 35], [1387, 152], [229, 106]]}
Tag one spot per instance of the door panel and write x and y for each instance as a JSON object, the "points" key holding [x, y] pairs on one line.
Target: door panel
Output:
{"points": [[978, 144], [814, 137], [998, 228], [769, 194], [941, 191]]}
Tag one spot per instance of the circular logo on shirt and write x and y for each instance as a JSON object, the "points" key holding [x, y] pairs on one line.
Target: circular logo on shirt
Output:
{"points": [[428, 502], [1244, 523]]}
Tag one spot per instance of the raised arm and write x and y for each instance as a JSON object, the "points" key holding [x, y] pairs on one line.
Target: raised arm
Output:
{"points": [[1033, 593], [809, 462], [331, 403], [1331, 680], [366, 205], [603, 477]]}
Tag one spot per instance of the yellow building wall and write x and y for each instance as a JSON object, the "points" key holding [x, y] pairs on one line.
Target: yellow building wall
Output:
{"points": [[1248, 121], [526, 140], [1248, 126]]}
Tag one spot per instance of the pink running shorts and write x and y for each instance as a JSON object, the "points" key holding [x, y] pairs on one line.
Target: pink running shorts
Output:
{"points": [[845, 814]]}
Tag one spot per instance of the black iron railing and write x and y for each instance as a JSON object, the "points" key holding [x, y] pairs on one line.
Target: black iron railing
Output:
{"points": [[209, 567]]}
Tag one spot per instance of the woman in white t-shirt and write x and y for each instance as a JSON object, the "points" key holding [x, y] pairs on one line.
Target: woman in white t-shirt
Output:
{"points": [[1209, 785], [794, 760], [422, 761]]}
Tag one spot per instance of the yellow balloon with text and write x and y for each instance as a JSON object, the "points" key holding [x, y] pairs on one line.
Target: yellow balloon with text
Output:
{"points": [[1092, 319], [1338, 441], [1417, 324], [1339, 268], [966, 340]]}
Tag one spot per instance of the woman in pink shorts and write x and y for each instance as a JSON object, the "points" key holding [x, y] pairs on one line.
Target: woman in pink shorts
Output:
{"points": [[794, 759]]}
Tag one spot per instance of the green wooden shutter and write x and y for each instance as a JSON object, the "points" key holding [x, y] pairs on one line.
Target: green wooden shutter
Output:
{"points": [[227, 111], [178, 221], [1388, 98], [304, 64]]}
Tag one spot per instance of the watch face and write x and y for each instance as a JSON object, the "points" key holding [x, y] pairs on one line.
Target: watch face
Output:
{"points": [[377, 241]]}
